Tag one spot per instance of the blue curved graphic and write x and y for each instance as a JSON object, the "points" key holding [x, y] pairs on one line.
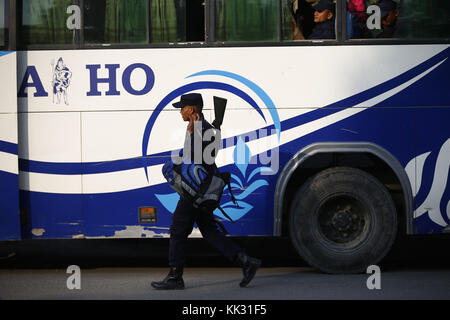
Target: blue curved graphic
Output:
{"points": [[169, 201], [259, 170], [254, 87], [234, 212], [4, 53], [237, 179], [9, 147], [242, 157], [251, 188], [187, 88]]}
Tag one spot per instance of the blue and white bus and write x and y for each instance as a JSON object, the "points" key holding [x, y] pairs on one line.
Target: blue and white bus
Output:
{"points": [[339, 144]]}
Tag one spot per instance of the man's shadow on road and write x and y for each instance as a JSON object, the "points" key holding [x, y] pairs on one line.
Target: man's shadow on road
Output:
{"points": [[258, 281]]}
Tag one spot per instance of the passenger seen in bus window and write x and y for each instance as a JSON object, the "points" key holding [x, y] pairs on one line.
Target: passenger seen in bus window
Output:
{"points": [[302, 19], [356, 19], [324, 19], [389, 14]]}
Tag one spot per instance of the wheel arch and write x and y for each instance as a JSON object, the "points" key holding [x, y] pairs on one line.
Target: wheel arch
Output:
{"points": [[331, 148]]}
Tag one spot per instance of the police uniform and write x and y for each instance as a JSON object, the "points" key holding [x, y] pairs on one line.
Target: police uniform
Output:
{"points": [[185, 215]]}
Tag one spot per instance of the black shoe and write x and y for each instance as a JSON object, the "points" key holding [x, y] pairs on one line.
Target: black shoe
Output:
{"points": [[249, 266], [173, 281]]}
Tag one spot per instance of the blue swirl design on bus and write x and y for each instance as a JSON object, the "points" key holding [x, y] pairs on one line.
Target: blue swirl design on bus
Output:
{"points": [[241, 155], [241, 150], [433, 204]]}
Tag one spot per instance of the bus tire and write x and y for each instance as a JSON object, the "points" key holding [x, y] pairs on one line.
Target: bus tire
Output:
{"points": [[342, 220]]}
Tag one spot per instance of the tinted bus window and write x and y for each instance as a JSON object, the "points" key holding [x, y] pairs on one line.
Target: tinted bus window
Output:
{"points": [[403, 19], [44, 22], [308, 20], [3, 27], [126, 21], [174, 21], [115, 21], [250, 20], [167, 21]]}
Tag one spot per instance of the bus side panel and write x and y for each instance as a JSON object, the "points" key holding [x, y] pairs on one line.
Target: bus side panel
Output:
{"points": [[51, 140], [429, 165], [9, 178], [88, 165], [111, 199]]}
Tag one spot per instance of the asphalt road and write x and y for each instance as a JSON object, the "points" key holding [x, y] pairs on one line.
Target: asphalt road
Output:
{"points": [[416, 268], [222, 284]]}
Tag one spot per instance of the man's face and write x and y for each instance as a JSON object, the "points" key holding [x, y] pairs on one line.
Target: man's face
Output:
{"points": [[323, 16], [186, 111]]}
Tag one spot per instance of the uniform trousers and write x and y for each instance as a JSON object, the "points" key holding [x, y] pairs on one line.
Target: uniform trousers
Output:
{"points": [[182, 224]]}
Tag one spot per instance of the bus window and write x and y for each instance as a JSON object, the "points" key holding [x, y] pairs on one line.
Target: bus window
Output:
{"points": [[308, 20], [167, 21], [195, 20], [115, 21], [173, 21], [401, 19], [250, 20], [3, 28], [43, 22], [125, 21]]}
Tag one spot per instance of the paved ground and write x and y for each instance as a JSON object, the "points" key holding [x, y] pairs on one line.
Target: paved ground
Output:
{"points": [[222, 284], [416, 268]]}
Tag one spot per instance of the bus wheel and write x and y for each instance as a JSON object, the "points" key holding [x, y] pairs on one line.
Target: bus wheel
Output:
{"points": [[342, 220]]}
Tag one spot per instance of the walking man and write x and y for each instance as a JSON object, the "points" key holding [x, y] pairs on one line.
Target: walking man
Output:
{"points": [[186, 215]]}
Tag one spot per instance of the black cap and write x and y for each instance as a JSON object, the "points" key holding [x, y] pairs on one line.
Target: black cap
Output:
{"points": [[190, 99], [387, 6], [324, 5]]}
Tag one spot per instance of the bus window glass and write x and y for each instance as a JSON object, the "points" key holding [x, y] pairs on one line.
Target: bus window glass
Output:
{"points": [[173, 21], [308, 20], [401, 19], [167, 21], [45, 22], [250, 20], [115, 21], [125, 21], [2, 23]]}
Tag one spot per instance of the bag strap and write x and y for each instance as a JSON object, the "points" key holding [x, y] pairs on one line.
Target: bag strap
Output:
{"points": [[221, 226], [226, 176], [225, 214], [232, 196]]}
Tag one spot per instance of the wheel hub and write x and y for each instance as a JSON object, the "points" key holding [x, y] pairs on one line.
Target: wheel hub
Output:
{"points": [[342, 219]]}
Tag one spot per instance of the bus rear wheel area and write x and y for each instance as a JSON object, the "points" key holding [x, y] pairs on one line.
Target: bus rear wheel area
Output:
{"points": [[342, 220]]}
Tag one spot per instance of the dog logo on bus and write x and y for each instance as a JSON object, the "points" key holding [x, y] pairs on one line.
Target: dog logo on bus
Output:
{"points": [[61, 76]]}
